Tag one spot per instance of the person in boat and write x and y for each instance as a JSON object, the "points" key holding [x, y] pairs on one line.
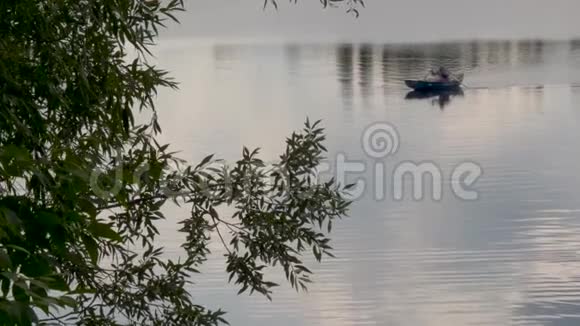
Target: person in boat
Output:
{"points": [[444, 74], [440, 75]]}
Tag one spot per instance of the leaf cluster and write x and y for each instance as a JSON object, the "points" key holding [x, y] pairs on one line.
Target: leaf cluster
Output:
{"points": [[83, 186]]}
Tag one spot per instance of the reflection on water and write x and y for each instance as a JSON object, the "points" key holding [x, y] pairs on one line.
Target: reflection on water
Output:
{"points": [[365, 65], [512, 257], [344, 63], [439, 98]]}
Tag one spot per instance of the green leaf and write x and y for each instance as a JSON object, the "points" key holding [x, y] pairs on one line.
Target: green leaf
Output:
{"points": [[19, 291], [5, 261], [244, 288], [67, 301], [213, 212], [56, 282], [17, 248], [13, 220], [205, 160], [101, 230], [92, 248], [83, 290], [30, 315], [87, 206]]}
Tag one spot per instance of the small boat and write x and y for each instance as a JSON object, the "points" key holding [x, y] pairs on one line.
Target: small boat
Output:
{"points": [[436, 80], [428, 86]]}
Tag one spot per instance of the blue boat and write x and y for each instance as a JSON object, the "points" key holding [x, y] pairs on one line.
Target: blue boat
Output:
{"points": [[438, 80], [428, 86]]}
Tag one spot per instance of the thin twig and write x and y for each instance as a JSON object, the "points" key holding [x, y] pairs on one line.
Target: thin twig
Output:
{"points": [[220, 235]]}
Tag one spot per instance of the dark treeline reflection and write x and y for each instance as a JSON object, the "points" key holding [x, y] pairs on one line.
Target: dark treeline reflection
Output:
{"points": [[497, 53], [226, 54], [575, 46], [293, 58], [365, 66], [531, 52], [408, 59], [362, 68], [345, 70], [399, 62]]}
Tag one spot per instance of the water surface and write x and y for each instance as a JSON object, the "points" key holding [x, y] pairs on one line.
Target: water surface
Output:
{"points": [[510, 258]]}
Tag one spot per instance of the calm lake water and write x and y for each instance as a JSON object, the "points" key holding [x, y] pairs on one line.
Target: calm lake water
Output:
{"points": [[512, 257]]}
